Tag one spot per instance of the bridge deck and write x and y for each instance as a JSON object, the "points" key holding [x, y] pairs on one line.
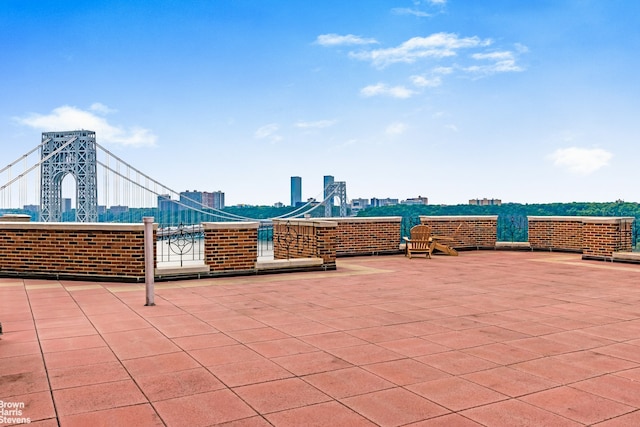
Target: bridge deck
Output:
{"points": [[486, 338]]}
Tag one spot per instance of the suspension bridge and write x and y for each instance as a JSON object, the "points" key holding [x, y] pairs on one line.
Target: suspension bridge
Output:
{"points": [[108, 189]]}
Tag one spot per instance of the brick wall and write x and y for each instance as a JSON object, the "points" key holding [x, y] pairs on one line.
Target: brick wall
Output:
{"points": [[231, 246], [305, 238], [594, 237], [367, 235], [559, 233], [477, 232], [604, 236], [105, 251]]}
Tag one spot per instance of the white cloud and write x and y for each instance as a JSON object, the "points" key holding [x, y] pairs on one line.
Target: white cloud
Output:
{"points": [[101, 108], [396, 128], [316, 125], [438, 45], [422, 81], [499, 62], [338, 40], [383, 89], [268, 132], [72, 118], [417, 10], [409, 11], [582, 161]]}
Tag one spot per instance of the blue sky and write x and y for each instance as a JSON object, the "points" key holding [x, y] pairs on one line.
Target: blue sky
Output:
{"points": [[526, 101]]}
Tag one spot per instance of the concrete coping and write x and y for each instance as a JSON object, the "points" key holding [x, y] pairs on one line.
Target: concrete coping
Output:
{"points": [[277, 264], [15, 218], [74, 226], [243, 225], [583, 219], [307, 222], [365, 219], [460, 217], [626, 256], [513, 245]]}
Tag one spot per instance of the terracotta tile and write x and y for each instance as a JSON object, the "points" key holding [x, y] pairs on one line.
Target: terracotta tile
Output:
{"points": [[626, 420], [459, 339], [365, 354], [543, 346], [577, 405], [77, 376], [170, 385], [311, 363], [85, 356], [72, 343], [456, 362], [139, 343], [13, 349], [280, 395], [510, 382], [37, 406], [347, 382], [160, 364], [221, 355], [501, 353], [97, 397], [235, 323], [614, 387], [203, 409], [139, 415], [449, 420], [455, 393], [515, 413], [181, 325], [300, 329], [196, 342], [21, 364], [405, 371], [379, 334], [20, 383], [412, 347], [632, 374], [247, 422], [554, 370], [267, 333], [596, 362], [393, 407], [319, 415], [622, 351], [281, 347], [331, 340], [249, 372], [66, 332]]}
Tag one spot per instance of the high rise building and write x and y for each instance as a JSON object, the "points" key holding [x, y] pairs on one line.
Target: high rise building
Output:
{"points": [[191, 199], [328, 180], [296, 190]]}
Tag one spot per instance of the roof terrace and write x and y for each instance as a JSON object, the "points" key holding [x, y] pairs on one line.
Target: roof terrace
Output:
{"points": [[492, 338]]}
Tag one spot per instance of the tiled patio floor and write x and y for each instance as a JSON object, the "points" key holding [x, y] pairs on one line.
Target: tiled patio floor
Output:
{"points": [[486, 338]]}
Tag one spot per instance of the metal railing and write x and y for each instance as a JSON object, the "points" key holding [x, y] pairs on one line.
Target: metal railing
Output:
{"points": [[180, 245], [512, 228], [265, 239]]}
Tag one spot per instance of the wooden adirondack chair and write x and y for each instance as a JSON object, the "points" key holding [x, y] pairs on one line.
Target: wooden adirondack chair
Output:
{"points": [[420, 241], [443, 243]]}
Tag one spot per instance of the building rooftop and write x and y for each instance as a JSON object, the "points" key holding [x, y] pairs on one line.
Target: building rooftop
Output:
{"points": [[491, 338]]}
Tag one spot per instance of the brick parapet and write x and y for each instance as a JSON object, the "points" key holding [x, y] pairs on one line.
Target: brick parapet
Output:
{"points": [[231, 246], [477, 232], [604, 236], [367, 235], [305, 238], [106, 251]]}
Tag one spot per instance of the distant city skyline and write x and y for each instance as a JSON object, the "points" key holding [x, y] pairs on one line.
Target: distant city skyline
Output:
{"points": [[526, 102]]}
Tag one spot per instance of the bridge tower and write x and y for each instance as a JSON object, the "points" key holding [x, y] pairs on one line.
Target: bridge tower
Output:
{"points": [[62, 153], [339, 190]]}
